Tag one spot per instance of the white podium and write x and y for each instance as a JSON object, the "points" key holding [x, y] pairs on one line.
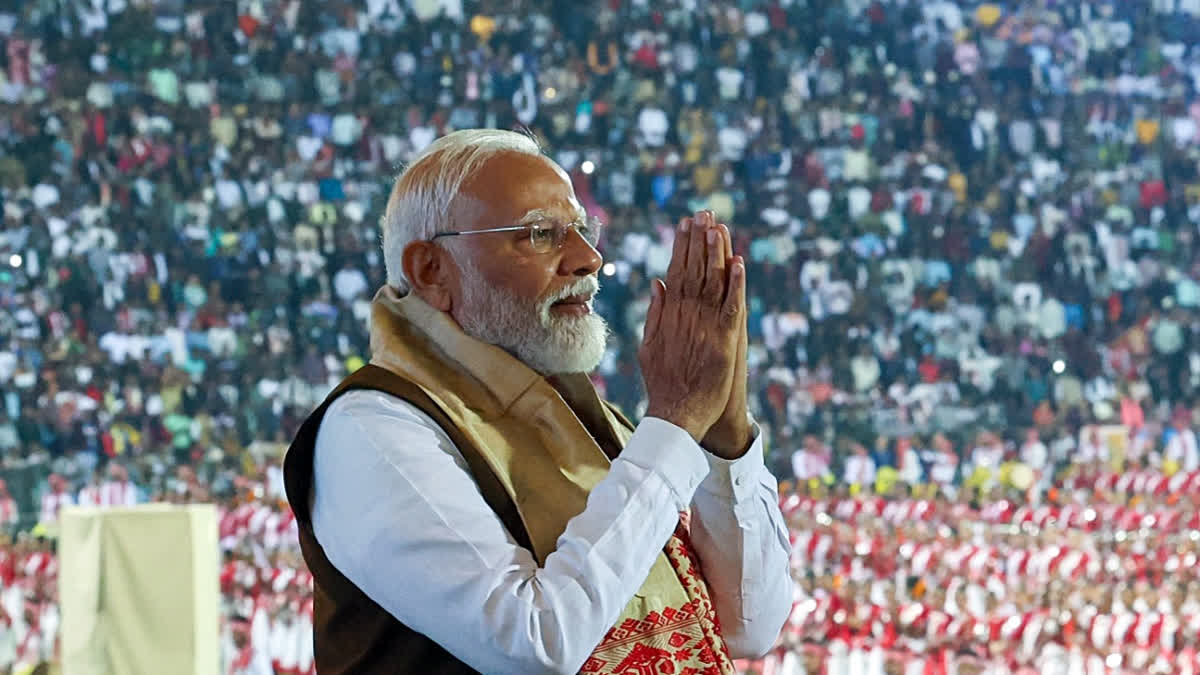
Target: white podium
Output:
{"points": [[138, 590]]}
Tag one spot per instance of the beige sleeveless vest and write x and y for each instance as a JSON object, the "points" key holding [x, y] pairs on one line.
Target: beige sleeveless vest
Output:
{"points": [[547, 454]]}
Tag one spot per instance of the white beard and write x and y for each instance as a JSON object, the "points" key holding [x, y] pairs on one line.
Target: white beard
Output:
{"points": [[550, 345]]}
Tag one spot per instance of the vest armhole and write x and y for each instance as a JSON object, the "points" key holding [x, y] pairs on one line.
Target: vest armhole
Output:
{"points": [[375, 378]]}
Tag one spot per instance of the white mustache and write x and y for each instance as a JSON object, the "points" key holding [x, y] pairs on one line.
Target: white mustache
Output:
{"points": [[588, 286]]}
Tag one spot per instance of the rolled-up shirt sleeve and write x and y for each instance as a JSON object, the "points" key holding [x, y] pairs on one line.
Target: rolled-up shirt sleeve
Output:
{"points": [[742, 541], [397, 512]]}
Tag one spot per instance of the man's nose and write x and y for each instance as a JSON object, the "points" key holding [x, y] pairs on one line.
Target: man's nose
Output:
{"points": [[579, 258]]}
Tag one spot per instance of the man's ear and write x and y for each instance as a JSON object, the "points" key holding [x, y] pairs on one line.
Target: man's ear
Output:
{"points": [[430, 273]]}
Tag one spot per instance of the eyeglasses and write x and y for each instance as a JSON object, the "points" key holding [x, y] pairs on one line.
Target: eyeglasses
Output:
{"points": [[547, 234]]}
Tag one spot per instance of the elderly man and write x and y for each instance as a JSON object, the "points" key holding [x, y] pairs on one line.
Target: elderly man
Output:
{"points": [[468, 503]]}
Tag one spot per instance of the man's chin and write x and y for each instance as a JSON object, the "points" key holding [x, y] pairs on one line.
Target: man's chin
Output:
{"points": [[577, 345]]}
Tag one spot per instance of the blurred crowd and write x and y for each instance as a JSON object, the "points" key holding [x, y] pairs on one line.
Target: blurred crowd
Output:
{"points": [[1093, 576], [970, 227]]}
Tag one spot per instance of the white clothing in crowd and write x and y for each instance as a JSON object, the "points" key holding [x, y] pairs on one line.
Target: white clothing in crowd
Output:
{"points": [[1183, 449], [859, 470]]}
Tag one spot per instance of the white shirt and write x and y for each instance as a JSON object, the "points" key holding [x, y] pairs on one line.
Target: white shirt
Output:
{"points": [[1035, 455], [345, 129], [118, 493], [858, 200], [943, 468], [1183, 449], [859, 469], [45, 195], [348, 284], [52, 504], [987, 456], [654, 124], [397, 512], [732, 141], [807, 465], [89, 496], [729, 82], [229, 193], [818, 202], [308, 147], [856, 165]]}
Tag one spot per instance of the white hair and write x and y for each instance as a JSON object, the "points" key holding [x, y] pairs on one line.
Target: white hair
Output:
{"points": [[420, 201]]}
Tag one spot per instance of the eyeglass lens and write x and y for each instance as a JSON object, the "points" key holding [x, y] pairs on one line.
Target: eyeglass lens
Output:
{"points": [[553, 234]]}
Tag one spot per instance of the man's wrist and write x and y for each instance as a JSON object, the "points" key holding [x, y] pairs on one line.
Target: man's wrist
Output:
{"points": [[732, 445], [678, 419]]}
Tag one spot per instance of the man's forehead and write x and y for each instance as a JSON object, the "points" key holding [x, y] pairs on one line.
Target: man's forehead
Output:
{"points": [[512, 168], [514, 187]]}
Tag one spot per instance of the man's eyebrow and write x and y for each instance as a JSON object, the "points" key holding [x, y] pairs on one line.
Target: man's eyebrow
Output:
{"points": [[535, 215]]}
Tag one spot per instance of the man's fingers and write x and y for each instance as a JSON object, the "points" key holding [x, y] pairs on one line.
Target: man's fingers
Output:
{"points": [[743, 328], [727, 248], [677, 268], [714, 276], [697, 261], [654, 313], [735, 296]]}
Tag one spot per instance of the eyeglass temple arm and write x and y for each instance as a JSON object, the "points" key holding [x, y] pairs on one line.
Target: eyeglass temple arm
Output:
{"points": [[496, 229]]}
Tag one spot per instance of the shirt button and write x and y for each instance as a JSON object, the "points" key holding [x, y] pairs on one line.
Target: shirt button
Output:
{"points": [[739, 480]]}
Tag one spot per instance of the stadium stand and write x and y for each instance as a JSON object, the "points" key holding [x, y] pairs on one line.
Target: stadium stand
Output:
{"points": [[971, 232]]}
